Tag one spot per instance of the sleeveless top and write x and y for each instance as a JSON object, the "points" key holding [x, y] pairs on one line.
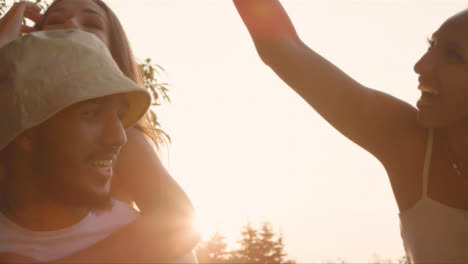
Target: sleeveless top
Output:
{"points": [[433, 232]]}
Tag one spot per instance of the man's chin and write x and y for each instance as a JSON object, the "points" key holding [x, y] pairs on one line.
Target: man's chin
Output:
{"points": [[97, 201], [85, 199], [92, 196], [73, 192]]}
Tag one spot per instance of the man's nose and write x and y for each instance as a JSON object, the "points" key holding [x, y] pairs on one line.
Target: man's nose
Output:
{"points": [[114, 134]]}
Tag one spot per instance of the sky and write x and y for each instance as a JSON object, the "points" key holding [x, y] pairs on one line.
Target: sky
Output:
{"points": [[245, 147]]}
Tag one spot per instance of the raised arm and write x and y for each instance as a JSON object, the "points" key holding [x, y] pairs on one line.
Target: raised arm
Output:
{"points": [[374, 120]]}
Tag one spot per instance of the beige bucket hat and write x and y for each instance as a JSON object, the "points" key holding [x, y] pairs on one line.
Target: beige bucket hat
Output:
{"points": [[44, 72]]}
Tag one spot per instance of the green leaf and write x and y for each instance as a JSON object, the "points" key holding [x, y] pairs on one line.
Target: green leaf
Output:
{"points": [[159, 91]]}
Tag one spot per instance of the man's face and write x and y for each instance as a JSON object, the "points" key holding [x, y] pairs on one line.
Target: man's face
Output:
{"points": [[75, 151]]}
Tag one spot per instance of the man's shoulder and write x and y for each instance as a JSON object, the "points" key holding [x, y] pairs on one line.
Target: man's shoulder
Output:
{"points": [[53, 245]]}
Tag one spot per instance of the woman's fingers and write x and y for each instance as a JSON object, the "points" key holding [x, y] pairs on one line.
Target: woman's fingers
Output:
{"points": [[11, 24], [27, 29], [25, 9], [33, 12]]}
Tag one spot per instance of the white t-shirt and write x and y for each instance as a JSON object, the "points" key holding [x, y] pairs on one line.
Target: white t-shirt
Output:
{"points": [[57, 244]]}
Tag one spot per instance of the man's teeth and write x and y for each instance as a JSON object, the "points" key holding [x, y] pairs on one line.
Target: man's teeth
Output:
{"points": [[102, 163], [427, 89]]}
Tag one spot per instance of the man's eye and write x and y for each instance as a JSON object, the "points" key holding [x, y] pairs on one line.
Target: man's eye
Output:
{"points": [[90, 113], [53, 22]]}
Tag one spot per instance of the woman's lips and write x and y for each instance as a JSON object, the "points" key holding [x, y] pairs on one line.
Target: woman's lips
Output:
{"points": [[428, 89], [429, 96]]}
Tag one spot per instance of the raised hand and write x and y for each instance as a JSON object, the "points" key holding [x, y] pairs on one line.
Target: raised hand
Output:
{"points": [[265, 19], [11, 24]]}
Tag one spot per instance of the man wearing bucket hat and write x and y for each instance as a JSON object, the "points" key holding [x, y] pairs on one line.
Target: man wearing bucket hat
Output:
{"points": [[64, 107]]}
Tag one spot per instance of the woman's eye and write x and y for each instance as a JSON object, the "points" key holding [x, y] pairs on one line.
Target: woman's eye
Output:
{"points": [[453, 54], [95, 26], [431, 43], [92, 22]]}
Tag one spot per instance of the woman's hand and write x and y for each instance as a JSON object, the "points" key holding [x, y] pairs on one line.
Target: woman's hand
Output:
{"points": [[11, 24], [265, 19], [7, 258], [269, 26]]}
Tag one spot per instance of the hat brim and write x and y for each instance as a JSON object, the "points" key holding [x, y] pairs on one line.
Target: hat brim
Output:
{"points": [[90, 86], [93, 86]]}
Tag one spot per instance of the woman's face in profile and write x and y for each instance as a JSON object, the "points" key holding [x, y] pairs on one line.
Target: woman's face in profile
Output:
{"points": [[443, 75], [83, 15]]}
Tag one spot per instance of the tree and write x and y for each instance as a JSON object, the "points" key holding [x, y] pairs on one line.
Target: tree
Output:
{"points": [[261, 245], [271, 248], [159, 91], [249, 246], [213, 250], [2, 7]]}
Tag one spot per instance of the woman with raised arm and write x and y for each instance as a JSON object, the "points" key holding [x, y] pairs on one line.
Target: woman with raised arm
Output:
{"points": [[165, 223], [424, 150]]}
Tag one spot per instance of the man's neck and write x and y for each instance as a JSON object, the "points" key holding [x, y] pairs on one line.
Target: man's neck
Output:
{"points": [[24, 204]]}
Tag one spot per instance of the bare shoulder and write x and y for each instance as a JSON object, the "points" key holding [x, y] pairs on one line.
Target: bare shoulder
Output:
{"points": [[400, 126], [138, 158], [405, 162], [395, 137], [139, 171], [142, 175], [138, 142]]}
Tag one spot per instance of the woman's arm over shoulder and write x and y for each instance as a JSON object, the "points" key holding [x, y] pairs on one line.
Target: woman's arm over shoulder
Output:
{"points": [[140, 172], [374, 120]]}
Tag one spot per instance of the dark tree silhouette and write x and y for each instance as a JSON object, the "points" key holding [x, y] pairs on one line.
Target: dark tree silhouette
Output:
{"points": [[261, 245], [213, 250]]}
